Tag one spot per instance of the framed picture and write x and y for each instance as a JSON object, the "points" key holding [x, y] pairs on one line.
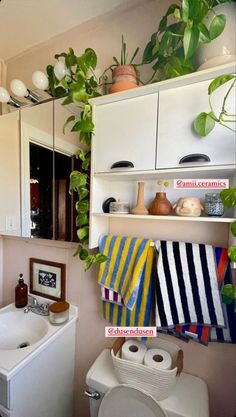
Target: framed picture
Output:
{"points": [[47, 279]]}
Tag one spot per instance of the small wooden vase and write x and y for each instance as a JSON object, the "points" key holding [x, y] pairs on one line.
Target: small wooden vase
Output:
{"points": [[160, 205], [140, 207]]}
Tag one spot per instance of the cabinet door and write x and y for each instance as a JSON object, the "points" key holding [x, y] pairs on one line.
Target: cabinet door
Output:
{"points": [[126, 131], [10, 174], [178, 109]]}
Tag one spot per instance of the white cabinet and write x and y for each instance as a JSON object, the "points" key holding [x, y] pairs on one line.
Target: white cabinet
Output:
{"points": [[151, 126], [126, 131], [178, 145]]}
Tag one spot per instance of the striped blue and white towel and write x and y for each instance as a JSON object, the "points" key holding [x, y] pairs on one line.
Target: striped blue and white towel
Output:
{"points": [[187, 286]]}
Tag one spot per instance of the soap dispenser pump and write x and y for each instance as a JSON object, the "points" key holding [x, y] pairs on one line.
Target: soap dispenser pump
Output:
{"points": [[21, 293]]}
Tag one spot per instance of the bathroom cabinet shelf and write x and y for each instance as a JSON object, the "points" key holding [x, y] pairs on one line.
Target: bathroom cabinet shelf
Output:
{"points": [[212, 172], [147, 133], [167, 218]]}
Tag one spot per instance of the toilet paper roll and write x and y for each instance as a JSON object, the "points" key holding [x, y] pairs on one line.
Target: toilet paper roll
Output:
{"points": [[158, 359], [133, 350]]}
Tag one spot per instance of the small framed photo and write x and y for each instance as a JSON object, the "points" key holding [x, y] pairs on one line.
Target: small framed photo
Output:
{"points": [[48, 279]]}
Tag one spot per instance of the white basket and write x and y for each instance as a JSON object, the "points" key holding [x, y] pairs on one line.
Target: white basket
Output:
{"points": [[157, 382]]}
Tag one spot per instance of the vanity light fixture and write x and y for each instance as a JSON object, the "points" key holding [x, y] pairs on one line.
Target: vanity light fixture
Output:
{"points": [[6, 98], [40, 80], [61, 70], [20, 90]]}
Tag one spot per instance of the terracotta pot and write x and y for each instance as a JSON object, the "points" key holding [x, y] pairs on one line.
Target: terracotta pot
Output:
{"points": [[160, 205], [124, 77]]}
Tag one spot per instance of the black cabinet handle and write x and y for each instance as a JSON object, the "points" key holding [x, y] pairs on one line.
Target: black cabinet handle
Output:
{"points": [[122, 164], [194, 157]]}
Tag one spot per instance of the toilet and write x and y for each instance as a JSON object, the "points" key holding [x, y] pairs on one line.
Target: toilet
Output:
{"points": [[108, 398]]}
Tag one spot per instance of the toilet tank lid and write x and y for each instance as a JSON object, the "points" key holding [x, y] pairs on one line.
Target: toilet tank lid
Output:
{"points": [[101, 376]]}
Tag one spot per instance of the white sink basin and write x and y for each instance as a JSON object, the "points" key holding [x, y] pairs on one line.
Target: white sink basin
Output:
{"points": [[19, 330], [24, 335]]}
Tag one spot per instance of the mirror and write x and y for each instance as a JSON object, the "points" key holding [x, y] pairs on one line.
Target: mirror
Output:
{"points": [[36, 159], [47, 160]]}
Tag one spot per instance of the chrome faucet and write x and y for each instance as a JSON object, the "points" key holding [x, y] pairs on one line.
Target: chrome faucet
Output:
{"points": [[36, 307]]}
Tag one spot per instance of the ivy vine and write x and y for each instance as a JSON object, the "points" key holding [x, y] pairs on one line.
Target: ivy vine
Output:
{"points": [[79, 85]]}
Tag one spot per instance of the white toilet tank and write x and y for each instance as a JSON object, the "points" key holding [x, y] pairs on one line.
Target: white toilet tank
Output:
{"points": [[188, 399]]}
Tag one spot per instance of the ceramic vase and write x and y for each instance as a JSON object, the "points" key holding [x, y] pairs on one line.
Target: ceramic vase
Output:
{"points": [[160, 205], [140, 206], [124, 77]]}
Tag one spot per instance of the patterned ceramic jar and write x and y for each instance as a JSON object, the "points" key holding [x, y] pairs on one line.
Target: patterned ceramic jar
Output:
{"points": [[214, 205]]}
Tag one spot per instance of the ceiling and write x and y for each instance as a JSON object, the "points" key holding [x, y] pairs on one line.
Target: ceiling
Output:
{"points": [[25, 23]]}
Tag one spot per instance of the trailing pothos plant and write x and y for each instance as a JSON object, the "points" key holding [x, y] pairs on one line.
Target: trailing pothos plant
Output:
{"points": [[172, 47], [203, 125], [228, 196], [78, 86]]}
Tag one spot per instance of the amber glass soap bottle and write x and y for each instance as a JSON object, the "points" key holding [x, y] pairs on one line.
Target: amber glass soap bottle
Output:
{"points": [[21, 293]]}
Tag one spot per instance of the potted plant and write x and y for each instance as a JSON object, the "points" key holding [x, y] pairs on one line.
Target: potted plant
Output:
{"points": [[172, 48], [124, 71]]}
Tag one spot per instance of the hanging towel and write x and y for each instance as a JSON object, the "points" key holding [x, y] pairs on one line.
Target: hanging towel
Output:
{"points": [[124, 267], [227, 335], [187, 286], [126, 281], [202, 334]]}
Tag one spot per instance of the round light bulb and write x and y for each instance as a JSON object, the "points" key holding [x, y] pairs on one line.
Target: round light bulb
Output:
{"points": [[40, 80], [18, 88], [61, 70], [4, 95]]}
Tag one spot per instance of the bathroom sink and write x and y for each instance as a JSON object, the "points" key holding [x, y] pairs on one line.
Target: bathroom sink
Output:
{"points": [[19, 330], [24, 335]]}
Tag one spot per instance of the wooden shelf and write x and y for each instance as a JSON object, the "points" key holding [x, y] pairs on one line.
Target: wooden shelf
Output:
{"points": [[168, 218]]}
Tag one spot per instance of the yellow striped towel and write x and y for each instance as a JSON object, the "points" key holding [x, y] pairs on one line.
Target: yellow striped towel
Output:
{"points": [[128, 272]]}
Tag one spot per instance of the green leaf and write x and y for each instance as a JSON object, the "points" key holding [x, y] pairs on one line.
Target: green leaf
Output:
{"points": [[59, 92], [88, 262], [82, 206], [86, 163], [232, 253], [162, 24], [77, 179], [217, 26], [85, 138], [165, 43], [83, 232], [90, 58], [173, 68], [86, 126], [68, 100], [218, 81], [70, 119], [204, 33], [100, 258], [229, 290], [83, 254], [134, 55], [228, 196], [147, 54], [185, 10], [70, 59], [82, 219], [83, 192], [233, 228], [195, 10], [204, 124], [190, 41]]}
